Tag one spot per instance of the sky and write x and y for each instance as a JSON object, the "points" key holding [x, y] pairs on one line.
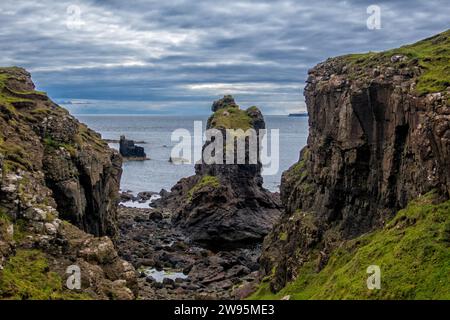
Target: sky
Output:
{"points": [[176, 57]]}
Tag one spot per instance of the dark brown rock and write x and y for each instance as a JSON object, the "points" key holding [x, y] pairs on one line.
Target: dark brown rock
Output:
{"points": [[374, 145], [224, 204], [53, 167], [129, 150]]}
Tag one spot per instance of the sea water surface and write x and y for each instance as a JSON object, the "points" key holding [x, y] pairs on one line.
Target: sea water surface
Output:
{"points": [[155, 131]]}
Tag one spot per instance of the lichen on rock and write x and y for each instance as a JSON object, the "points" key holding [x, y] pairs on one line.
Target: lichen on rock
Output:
{"points": [[55, 172], [224, 204], [379, 137]]}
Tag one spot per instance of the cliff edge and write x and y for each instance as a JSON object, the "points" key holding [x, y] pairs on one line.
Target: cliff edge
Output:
{"points": [[59, 184], [379, 139]]}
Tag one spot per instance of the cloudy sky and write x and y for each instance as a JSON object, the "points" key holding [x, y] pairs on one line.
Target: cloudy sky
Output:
{"points": [[177, 56]]}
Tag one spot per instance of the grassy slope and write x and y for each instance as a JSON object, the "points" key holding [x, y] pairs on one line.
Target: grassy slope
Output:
{"points": [[432, 54], [27, 276], [413, 252], [231, 118], [206, 181]]}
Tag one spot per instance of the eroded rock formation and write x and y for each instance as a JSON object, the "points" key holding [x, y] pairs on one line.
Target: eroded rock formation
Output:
{"points": [[379, 137], [225, 204], [129, 150], [55, 172]]}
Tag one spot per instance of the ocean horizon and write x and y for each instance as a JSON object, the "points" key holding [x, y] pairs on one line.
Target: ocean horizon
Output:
{"points": [[155, 130]]}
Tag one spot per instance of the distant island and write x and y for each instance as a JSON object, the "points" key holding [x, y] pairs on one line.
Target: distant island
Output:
{"points": [[300, 114]]}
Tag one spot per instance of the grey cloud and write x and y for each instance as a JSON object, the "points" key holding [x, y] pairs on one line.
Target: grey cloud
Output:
{"points": [[177, 56]]}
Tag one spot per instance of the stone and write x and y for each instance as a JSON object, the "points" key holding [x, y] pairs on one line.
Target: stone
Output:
{"points": [[100, 250], [397, 57], [61, 169], [226, 101], [224, 204], [129, 150], [50, 228], [373, 146]]}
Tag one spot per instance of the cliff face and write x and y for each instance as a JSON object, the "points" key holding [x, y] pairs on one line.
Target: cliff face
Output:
{"points": [[379, 138], [77, 166], [53, 168], [225, 204]]}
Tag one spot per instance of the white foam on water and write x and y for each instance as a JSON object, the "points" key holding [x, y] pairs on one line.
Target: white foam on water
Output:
{"points": [[141, 205], [159, 276]]}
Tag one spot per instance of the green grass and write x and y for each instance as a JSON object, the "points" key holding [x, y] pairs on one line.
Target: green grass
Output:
{"points": [[6, 99], [412, 250], [20, 230], [15, 156], [5, 223], [206, 181], [231, 118], [432, 55], [26, 276], [283, 236], [52, 144], [8, 96]]}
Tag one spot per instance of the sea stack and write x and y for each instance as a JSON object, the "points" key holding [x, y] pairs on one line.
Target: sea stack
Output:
{"points": [[225, 204], [130, 151]]}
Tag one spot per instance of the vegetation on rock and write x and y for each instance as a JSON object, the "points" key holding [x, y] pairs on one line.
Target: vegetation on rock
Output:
{"points": [[412, 250], [432, 55], [26, 275], [52, 167], [205, 181], [231, 117]]}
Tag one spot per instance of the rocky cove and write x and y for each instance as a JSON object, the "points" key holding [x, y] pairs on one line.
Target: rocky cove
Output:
{"points": [[375, 168], [207, 230]]}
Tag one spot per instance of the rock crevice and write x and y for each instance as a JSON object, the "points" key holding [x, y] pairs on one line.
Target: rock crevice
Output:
{"points": [[59, 184], [375, 143], [225, 204]]}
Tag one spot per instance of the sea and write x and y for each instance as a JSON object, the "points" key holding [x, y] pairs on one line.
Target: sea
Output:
{"points": [[155, 133]]}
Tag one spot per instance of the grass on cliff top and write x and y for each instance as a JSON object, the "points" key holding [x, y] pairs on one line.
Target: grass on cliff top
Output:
{"points": [[15, 156], [231, 118], [206, 181], [412, 251], [26, 276], [432, 54], [6, 99], [52, 144]]}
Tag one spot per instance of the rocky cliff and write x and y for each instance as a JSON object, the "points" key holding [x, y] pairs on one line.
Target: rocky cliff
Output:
{"points": [[59, 183], [225, 204], [379, 138]]}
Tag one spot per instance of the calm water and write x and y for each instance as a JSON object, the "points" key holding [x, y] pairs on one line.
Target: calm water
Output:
{"points": [[155, 131]]}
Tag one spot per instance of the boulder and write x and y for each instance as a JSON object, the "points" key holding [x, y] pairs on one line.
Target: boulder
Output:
{"points": [[129, 150]]}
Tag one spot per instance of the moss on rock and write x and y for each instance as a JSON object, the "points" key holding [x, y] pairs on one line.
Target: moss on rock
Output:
{"points": [[412, 251], [432, 55], [231, 118], [27, 276], [205, 181]]}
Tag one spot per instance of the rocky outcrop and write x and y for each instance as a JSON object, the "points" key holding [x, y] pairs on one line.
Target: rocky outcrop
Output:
{"points": [[54, 168], [225, 204], [161, 253], [379, 138], [129, 150]]}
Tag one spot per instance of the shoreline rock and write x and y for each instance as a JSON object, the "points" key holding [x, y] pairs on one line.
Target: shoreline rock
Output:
{"points": [[224, 205], [59, 183], [131, 152], [374, 145], [151, 242]]}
